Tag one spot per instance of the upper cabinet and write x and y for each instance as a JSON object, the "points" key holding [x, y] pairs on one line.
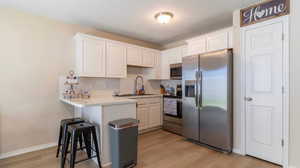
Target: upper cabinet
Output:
{"points": [[148, 58], [99, 57], [116, 66], [197, 45], [90, 57], [217, 41], [141, 57], [154, 73], [214, 41], [171, 56], [134, 56]]}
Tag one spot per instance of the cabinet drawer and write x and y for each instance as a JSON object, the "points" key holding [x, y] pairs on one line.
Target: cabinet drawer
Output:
{"points": [[148, 101], [168, 126]]}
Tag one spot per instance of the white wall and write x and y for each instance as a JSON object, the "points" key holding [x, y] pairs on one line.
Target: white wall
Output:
{"points": [[294, 149], [34, 52], [237, 99]]}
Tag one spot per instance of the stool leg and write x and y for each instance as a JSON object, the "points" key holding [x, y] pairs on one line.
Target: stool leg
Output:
{"points": [[59, 141], [74, 142], [96, 146], [87, 142], [80, 141], [65, 150]]}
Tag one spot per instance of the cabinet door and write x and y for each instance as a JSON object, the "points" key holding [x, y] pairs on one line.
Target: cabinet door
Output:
{"points": [[148, 58], [217, 41], [197, 46], [157, 67], [165, 66], [116, 60], [134, 56], [142, 116], [155, 72], [184, 51], [93, 58], [154, 115]]}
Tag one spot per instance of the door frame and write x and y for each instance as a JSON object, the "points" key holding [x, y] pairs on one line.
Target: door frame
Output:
{"points": [[285, 22]]}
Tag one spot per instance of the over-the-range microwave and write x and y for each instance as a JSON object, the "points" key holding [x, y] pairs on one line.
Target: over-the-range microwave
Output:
{"points": [[176, 71]]}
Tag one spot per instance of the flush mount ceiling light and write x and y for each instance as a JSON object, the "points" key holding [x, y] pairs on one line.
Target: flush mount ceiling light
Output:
{"points": [[164, 17]]}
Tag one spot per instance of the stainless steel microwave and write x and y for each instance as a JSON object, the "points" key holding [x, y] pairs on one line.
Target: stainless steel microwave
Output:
{"points": [[176, 71]]}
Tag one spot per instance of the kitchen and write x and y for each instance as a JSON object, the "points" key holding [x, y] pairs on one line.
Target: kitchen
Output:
{"points": [[115, 73]]}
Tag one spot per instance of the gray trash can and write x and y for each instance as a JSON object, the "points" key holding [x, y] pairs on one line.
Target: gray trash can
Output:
{"points": [[123, 142]]}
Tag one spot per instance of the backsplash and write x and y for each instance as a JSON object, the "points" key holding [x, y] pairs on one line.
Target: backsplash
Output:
{"points": [[106, 87], [171, 83]]}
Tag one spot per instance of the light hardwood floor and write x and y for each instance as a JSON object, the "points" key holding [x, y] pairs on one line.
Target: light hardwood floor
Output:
{"points": [[158, 149]]}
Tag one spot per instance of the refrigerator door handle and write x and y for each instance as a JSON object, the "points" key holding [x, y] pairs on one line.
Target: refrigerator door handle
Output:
{"points": [[197, 89], [200, 89]]}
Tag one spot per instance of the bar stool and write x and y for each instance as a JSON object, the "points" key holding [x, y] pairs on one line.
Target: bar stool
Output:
{"points": [[74, 133], [64, 124]]}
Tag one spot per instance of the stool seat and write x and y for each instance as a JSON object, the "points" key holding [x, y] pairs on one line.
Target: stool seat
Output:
{"points": [[71, 121], [79, 126]]}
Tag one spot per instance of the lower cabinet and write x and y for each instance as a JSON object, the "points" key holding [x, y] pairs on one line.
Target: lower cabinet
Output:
{"points": [[149, 113], [154, 115], [142, 116]]}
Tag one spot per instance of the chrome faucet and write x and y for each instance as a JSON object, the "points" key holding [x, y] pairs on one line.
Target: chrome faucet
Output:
{"points": [[136, 86]]}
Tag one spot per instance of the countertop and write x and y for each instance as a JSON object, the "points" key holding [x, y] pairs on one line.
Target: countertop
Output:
{"points": [[105, 101], [143, 96], [99, 101]]}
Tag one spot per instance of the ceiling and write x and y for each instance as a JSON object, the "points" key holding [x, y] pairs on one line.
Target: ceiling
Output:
{"points": [[135, 18]]}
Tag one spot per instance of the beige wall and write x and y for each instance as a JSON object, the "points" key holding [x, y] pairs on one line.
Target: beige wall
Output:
{"points": [[295, 85], [34, 52]]}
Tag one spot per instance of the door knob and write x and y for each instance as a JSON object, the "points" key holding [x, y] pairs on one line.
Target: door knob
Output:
{"points": [[248, 98]]}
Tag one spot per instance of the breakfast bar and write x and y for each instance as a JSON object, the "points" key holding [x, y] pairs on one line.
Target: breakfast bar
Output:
{"points": [[101, 111]]}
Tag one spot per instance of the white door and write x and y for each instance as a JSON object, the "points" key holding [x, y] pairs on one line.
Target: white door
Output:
{"points": [[116, 66], [264, 97]]}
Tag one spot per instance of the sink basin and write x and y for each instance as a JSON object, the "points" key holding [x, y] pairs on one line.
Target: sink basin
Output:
{"points": [[133, 95]]}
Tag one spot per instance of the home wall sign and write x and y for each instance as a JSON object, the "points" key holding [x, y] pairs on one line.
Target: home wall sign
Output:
{"points": [[264, 11]]}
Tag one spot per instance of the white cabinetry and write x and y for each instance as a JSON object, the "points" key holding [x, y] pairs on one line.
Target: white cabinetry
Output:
{"points": [[99, 57], [141, 57], [90, 57], [149, 113], [165, 66], [217, 41], [154, 115], [154, 73], [148, 58], [171, 56], [116, 66], [214, 41], [197, 46], [134, 56], [142, 116]]}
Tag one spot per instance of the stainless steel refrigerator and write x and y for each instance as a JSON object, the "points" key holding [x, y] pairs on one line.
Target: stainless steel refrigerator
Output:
{"points": [[207, 99]]}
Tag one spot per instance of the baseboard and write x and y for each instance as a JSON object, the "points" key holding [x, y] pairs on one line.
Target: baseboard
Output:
{"points": [[26, 150], [104, 165], [237, 151]]}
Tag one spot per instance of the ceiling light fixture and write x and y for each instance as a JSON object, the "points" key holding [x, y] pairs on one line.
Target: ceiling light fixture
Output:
{"points": [[164, 17]]}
